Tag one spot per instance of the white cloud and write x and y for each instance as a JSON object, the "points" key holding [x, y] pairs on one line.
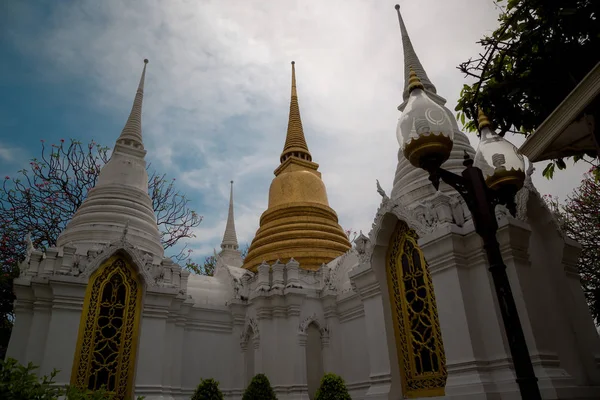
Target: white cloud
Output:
{"points": [[6, 154], [217, 88]]}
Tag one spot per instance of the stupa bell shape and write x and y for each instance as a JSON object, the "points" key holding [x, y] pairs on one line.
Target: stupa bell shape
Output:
{"points": [[298, 222], [120, 199], [411, 184]]}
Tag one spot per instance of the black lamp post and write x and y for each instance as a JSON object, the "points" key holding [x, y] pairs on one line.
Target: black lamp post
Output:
{"points": [[425, 136]]}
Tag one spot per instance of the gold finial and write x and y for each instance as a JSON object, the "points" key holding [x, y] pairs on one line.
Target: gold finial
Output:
{"points": [[482, 119], [413, 81], [295, 143], [294, 94]]}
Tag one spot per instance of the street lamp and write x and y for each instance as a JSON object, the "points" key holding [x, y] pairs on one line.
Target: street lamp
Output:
{"points": [[494, 177]]}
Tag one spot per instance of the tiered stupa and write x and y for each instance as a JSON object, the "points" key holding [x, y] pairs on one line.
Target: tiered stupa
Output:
{"points": [[298, 223], [120, 197]]}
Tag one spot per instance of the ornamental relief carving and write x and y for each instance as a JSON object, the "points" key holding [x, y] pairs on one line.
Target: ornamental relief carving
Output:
{"points": [[250, 327], [393, 206], [310, 320], [145, 268]]}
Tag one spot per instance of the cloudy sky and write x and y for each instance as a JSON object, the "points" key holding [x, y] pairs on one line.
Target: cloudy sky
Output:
{"points": [[218, 84]]}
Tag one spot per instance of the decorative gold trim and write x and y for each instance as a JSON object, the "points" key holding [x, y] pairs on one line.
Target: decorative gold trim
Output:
{"points": [[503, 177], [414, 82], [129, 331], [483, 120], [417, 381], [425, 147]]}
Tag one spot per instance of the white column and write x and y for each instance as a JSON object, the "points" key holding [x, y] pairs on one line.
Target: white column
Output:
{"points": [[19, 338], [331, 357], [63, 330], [178, 346], [300, 369], [379, 353], [238, 359], [42, 310], [258, 359], [150, 353], [534, 293], [295, 368], [470, 328]]}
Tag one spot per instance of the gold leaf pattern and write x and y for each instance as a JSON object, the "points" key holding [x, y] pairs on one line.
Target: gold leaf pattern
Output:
{"points": [[105, 355], [416, 324]]}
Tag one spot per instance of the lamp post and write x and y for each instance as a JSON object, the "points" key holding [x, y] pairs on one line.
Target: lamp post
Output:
{"points": [[494, 177]]}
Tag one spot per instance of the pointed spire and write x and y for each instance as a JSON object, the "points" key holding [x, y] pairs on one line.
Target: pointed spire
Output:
{"points": [[295, 143], [131, 136], [119, 207], [230, 237], [411, 61], [482, 120]]}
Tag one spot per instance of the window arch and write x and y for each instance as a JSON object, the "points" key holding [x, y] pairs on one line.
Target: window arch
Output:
{"points": [[414, 314], [107, 343]]}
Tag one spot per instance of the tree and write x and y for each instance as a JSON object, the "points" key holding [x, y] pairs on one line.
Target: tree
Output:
{"points": [[259, 389], [579, 218], [42, 199], [332, 387], [351, 234], [208, 389], [540, 51]]}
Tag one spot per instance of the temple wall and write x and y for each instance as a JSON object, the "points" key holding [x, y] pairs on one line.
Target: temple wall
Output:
{"points": [[353, 363], [207, 349]]}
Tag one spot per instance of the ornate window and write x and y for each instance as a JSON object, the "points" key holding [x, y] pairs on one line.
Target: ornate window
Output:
{"points": [[106, 348], [416, 325]]}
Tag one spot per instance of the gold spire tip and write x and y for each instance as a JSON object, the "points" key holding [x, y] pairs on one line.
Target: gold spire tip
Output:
{"points": [[482, 119], [413, 81], [397, 7], [145, 61]]}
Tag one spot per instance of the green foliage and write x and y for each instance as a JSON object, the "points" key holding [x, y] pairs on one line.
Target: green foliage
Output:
{"points": [[332, 387], [208, 389], [19, 382], [539, 52], [259, 389]]}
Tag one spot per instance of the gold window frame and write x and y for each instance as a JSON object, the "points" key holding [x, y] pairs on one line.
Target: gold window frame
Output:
{"points": [[125, 371], [414, 384]]}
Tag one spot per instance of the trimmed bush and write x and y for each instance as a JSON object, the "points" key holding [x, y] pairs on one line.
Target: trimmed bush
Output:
{"points": [[332, 388], [208, 389], [19, 382], [259, 389]]}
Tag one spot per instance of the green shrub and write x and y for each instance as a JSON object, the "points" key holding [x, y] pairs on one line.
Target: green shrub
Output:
{"points": [[19, 382], [259, 389], [332, 388], [208, 389]]}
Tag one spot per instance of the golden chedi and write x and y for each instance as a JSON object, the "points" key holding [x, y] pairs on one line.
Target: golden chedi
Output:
{"points": [[298, 223]]}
